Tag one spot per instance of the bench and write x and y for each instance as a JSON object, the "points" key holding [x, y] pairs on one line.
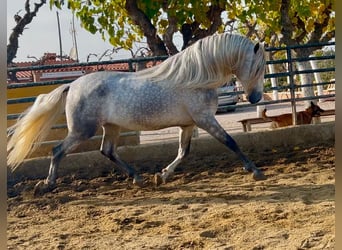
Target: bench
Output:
{"points": [[246, 123]]}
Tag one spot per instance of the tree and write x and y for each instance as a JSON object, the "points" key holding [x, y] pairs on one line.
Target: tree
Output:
{"points": [[22, 22], [125, 22], [276, 22]]}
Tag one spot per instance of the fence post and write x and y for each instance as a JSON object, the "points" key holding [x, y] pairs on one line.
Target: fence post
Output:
{"points": [[130, 65], [140, 64], [260, 108], [292, 86]]}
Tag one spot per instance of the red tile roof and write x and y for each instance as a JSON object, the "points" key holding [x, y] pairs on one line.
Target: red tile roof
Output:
{"points": [[51, 59]]}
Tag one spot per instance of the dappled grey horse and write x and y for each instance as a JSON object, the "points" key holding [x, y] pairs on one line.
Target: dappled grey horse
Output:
{"points": [[181, 91]]}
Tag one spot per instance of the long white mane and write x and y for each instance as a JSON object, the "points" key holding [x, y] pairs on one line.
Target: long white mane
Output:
{"points": [[208, 63]]}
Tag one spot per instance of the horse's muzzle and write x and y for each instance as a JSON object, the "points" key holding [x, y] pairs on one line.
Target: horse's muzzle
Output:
{"points": [[255, 97]]}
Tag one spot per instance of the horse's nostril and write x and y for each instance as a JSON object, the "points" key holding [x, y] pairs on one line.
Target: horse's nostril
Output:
{"points": [[254, 97]]}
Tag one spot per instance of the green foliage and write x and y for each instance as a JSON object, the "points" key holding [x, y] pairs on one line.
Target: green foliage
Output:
{"points": [[109, 18], [305, 18], [258, 19]]}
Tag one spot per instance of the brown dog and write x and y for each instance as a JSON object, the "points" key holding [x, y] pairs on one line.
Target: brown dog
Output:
{"points": [[303, 117]]}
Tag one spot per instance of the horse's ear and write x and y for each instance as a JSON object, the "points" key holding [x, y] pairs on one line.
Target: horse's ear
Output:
{"points": [[256, 47]]}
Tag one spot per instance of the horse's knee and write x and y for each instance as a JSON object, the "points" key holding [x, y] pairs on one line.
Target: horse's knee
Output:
{"points": [[104, 152], [57, 151], [184, 150], [107, 154], [106, 149], [184, 154], [187, 151]]}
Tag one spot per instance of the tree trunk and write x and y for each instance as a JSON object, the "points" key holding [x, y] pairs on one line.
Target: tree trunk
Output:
{"points": [[306, 79], [274, 83], [192, 32], [13, 45], [140, 19], [317, 78]]}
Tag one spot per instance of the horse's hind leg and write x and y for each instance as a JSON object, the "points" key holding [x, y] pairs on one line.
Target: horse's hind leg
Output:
{"points": [[211, 125], [110, 139], [185, 134], [58, 153]]}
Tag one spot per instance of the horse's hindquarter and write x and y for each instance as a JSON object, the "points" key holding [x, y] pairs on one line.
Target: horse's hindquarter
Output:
{"points": [[119, 99]]}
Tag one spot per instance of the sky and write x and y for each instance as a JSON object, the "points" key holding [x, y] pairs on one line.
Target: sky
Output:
{"points": [[41, 35]]}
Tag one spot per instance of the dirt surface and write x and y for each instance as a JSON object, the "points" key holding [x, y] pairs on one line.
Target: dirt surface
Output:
{"points": [[210, 203]]}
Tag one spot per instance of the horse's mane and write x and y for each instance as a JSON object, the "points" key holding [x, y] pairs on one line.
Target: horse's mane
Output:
{"points": [[208, 63]]}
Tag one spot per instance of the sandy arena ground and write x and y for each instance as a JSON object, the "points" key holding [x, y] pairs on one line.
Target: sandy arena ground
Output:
{"points": [[210, 203]]}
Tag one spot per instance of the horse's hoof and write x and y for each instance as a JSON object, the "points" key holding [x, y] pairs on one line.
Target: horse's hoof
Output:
{"points": [[259, 176], [42, 188], [158, 179], [138, 181]]}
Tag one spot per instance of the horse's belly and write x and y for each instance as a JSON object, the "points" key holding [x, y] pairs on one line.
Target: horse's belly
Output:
{"points": [[147, 122]]}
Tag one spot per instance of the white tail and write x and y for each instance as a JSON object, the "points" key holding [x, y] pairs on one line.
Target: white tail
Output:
{"points": [[33, 126]]}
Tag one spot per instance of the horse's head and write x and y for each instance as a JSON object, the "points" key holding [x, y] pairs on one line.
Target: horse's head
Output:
{"points": [[250, 72]]}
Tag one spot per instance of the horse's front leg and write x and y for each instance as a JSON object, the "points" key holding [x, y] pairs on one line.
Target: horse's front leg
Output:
{"points": [[211, 125], [185, 134]]}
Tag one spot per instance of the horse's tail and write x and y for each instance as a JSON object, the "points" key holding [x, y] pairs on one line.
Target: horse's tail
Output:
{"points": [[33, 126], [264, 114]]}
